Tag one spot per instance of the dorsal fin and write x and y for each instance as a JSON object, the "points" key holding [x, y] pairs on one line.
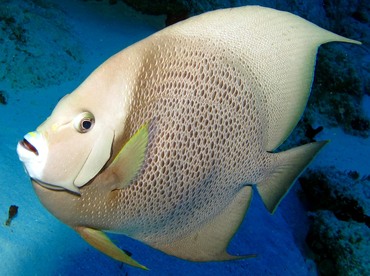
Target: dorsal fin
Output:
{"points": [[209, 243], [278, 51]]}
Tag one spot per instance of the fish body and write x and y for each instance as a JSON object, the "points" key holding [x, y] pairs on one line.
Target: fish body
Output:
{"points": [[164, 141]]}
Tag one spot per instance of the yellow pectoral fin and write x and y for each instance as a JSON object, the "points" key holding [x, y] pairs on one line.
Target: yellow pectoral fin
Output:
{"points": [[129, 160], [101, 241]]}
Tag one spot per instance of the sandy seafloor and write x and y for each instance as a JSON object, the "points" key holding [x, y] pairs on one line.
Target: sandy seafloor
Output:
{"points": [[36, 243]]}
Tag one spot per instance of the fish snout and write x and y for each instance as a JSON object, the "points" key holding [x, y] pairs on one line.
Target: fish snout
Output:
{"points": [[33, 146], [32, 151]]}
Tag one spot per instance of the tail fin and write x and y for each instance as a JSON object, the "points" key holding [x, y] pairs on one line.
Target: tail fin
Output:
{"points": [[293, 162]]}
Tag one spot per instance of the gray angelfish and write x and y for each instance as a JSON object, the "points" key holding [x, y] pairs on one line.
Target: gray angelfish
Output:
{"points": [[164, 140]]}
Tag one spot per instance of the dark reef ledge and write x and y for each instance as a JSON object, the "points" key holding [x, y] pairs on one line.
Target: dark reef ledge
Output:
{"points": [[339, 235]]}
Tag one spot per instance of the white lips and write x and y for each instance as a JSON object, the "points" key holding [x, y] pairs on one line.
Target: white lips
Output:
{"points": [[34, 161]]}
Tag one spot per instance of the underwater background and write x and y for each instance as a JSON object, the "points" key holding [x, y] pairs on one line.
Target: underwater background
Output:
{"points": [[48, 47]]}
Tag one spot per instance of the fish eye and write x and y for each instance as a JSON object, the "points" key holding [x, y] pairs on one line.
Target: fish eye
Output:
{"points": [[84, 122]]}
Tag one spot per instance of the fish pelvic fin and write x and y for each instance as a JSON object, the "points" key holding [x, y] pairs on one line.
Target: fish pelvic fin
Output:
{"points": [[101, 242], [130, 159], [291, 164]]}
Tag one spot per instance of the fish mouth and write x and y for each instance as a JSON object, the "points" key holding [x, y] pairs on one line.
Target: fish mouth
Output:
{"points": [[33, 148], [28, 146], [33, 152]]}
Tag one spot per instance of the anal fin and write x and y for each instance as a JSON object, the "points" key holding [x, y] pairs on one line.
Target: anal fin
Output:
{"points": [[209, 243]]}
